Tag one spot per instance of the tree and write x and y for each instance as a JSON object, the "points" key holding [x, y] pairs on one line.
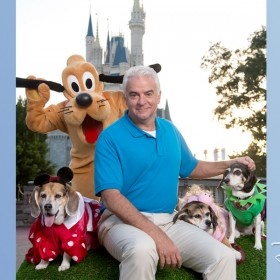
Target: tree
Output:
{"points": [[239, 77], [31, 150]]}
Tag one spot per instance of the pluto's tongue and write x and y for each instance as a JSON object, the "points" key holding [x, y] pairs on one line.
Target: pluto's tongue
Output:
{"points": [[92, 129], [49, 220]]}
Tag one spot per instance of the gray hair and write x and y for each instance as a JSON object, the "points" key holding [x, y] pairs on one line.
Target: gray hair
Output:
{"points": [[141, 71]]}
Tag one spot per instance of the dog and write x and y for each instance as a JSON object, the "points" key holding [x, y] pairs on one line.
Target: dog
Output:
{"points": [[197, 207], [65, 222], [245, 202]]}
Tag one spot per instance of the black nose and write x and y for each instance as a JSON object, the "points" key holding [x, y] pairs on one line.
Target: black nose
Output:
{"points": [[48, 207], [84, 99], [208, 223], [226, 180]]}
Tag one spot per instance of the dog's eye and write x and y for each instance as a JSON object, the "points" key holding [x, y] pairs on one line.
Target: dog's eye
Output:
{"points": [[89, 81], [57, 196], [237, 172], [43, 195], [207, 214], [197, 216]]}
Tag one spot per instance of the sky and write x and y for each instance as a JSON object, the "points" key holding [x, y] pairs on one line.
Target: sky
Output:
{"points": [[178, 34]]}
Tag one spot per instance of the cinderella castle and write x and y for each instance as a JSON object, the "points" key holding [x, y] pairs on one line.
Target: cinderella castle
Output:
{"points": [[115, 60]]}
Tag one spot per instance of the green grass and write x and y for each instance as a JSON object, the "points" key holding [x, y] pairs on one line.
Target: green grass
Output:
{"points": [[94, 267]]}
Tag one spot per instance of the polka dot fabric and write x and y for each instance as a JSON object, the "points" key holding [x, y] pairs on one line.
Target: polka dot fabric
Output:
{"points": [[50, 242]]}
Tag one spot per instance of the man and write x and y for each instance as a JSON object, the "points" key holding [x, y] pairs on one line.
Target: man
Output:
{"points": [[137, 163]]}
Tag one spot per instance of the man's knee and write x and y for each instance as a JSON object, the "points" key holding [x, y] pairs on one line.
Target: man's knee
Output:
{"points": [[144, 251]]}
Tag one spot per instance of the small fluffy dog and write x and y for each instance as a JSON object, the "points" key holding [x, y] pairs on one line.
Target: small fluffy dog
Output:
{"points": [[66, 222], [245, 202], [198, 208]]}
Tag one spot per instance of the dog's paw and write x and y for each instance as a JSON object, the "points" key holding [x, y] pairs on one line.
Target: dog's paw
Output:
{"points": [[231, 240], [237, 254], [42, 265], [258, 246], [64, 266]]}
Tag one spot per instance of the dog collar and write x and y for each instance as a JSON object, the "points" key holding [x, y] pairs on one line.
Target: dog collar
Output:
{"points": [[260, 189]]}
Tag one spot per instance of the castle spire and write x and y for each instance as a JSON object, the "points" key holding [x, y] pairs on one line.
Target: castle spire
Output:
{"points": [[90, 32], [137, 27], [97, 35], [136, 6]]}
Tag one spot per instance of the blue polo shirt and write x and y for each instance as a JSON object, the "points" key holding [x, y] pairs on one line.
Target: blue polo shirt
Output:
{"points": [[145, 169]]}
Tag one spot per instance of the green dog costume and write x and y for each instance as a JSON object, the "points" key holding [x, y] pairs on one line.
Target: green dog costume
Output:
{"points": [[246, 217]]}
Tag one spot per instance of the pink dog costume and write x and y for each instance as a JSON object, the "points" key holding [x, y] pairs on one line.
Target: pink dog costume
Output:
{"points": [[206, 198]]}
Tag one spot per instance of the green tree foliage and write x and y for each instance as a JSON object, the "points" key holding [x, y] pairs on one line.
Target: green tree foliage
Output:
{"points": [[31, 150], [239, 77]]}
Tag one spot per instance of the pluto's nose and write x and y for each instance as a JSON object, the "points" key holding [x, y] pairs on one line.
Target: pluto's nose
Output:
{"points": [[84, 100]]}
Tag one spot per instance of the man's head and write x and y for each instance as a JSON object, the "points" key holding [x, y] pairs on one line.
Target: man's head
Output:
{"points": [[140, 71], [142, 93]]}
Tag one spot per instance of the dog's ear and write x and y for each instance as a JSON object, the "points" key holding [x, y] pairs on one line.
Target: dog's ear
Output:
{"points": [[214, 218], [72, 202], [34, 203], [224, 175], [175, 218], [250, 182], [41, 179], [65, 174]]}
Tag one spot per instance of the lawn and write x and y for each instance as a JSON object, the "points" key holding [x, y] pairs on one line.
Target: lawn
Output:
{"points": [[94, 267]]}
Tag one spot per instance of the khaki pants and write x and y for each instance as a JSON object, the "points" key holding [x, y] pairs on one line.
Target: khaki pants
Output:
{"points": [[136, 251]]}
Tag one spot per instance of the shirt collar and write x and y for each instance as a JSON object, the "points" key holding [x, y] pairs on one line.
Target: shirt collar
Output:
{"points": [[135, 130]]}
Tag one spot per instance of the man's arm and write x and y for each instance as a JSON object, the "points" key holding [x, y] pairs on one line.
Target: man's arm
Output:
{"points": [[206, 169], [116, 203]]}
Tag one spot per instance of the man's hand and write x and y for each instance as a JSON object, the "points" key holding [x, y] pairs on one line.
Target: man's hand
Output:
{"points": [[169, 255], [247, 161]]}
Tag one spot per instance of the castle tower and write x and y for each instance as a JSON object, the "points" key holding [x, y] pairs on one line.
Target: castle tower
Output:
{"points": [[89, 41], [97, 52], [137, 27], [93, 48]]}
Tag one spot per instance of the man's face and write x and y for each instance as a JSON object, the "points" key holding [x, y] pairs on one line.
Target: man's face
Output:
{"points": [[142, 99]]}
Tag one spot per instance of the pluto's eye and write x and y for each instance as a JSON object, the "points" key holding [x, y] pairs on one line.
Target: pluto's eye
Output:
{"points": [[43, 195], [197, 216], [73, 83], [57, 196], [237, 172], [89, 81]]}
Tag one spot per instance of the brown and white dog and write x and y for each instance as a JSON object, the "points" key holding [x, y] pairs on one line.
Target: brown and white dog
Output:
{"points": [[197, 207], [66, 222], [245, 202]]}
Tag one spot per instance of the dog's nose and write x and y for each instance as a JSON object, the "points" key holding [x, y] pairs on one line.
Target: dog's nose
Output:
{"points": [[208, 223], [84, 99], [48, 207], [226, 180]]}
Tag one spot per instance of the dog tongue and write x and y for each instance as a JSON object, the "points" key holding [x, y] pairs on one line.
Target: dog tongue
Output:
{"points": [[92, 129], [49, 220]]}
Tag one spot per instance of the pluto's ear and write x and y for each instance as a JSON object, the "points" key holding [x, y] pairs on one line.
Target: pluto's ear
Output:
{"points": [[34, 203], [65, 174], [119, 79]]}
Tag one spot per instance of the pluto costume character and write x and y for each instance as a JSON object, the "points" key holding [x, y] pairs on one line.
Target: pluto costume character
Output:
{"points": [[86, 112]]}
